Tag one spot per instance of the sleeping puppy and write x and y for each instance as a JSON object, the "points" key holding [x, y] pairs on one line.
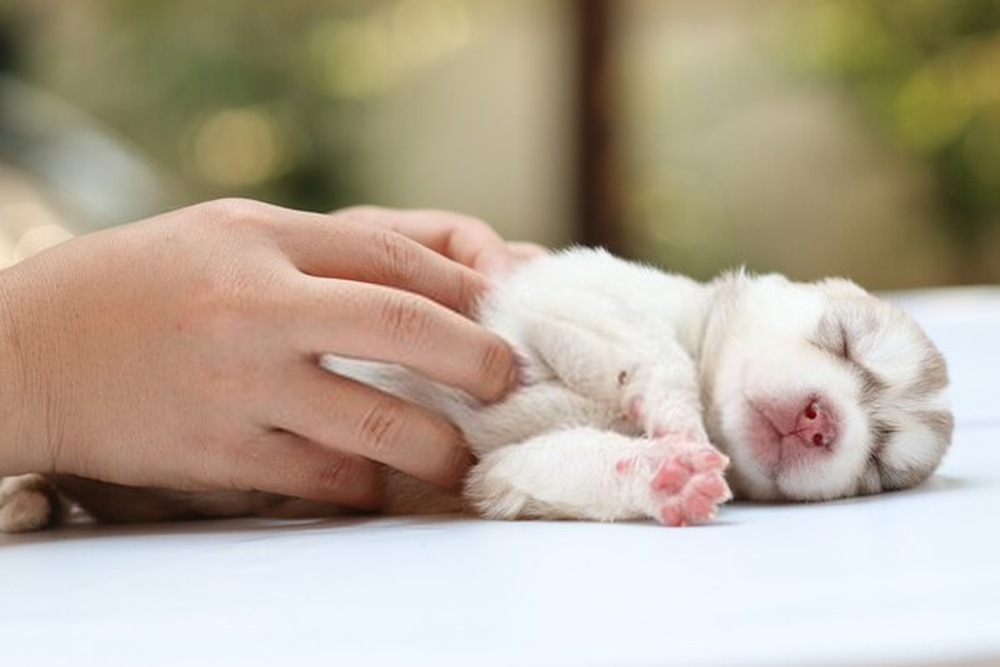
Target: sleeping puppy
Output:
{"points": [[644, 395]]}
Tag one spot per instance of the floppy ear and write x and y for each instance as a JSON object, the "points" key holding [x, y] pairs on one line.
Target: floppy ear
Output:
{"points": [[841, 287], [914, 454]]}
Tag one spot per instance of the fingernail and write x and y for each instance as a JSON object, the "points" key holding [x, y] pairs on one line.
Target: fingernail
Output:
{"points": [[516, 376]]}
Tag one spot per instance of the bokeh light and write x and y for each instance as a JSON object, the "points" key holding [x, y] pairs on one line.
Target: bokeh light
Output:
{"points": [[239, 147], [812, 137]]}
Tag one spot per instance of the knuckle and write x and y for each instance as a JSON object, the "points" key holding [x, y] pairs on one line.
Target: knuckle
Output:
{"points": [[381, 428], [234, 211], [395, 257], [405, 319], [336, 472], [472, 222], [496, 361]]}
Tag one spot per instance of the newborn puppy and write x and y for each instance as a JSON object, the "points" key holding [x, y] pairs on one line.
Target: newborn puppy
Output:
{"points": [[644, 395]]}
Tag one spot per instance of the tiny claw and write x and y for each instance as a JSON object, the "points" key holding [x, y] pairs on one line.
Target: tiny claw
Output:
{"points": [[709, 460]]}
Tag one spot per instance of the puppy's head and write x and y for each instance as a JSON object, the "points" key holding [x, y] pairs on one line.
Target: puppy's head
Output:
{"points": [[820, 391]]}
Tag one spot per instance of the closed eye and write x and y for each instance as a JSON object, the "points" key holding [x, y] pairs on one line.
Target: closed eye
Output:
{"points": [[833, 337], [844, 351]]}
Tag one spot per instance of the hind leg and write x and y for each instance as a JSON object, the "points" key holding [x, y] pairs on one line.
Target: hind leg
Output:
{"points": [[586, 473], [29, 502]]}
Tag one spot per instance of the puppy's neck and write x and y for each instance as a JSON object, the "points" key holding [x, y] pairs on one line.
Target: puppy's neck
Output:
{"points": [[691, 319]]}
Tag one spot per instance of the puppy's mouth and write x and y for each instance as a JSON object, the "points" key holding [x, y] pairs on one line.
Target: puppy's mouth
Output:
{"points": [[785, 432]]}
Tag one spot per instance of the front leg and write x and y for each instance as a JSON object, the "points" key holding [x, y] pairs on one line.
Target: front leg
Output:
{"points": [[585, 473], [654, 382], [661, 395]]}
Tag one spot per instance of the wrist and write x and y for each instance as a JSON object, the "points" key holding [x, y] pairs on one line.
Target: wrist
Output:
{"points": [[22, 445]]}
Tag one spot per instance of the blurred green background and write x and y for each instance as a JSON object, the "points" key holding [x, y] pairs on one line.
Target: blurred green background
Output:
{"points": [[852, 137]]}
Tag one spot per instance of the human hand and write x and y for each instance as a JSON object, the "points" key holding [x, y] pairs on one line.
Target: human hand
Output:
{"points": [[181, 351], [462, 238]]}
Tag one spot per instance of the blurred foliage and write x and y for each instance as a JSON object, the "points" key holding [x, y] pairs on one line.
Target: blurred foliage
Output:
{"points": [[231, 97], [8, 50], [269, 100], [927, 73]]}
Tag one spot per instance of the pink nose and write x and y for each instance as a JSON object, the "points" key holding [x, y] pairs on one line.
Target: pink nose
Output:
{"points": [[815, 426]]}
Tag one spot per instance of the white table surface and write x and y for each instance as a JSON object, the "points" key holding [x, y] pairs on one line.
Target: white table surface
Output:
{"points": [[900, 579]]}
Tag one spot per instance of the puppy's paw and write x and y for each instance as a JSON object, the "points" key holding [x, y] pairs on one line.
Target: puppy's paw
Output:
{"points": [[28, 503], [686, 484], [492, 490], [650, 400]]}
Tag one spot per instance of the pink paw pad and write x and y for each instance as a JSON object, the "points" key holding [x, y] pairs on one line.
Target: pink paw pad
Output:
{"points": [[671, 477], [688, 487], [699, 507], [710, 486]]}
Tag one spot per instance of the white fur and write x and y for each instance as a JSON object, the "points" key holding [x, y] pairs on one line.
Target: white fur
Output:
{"points": [[597, 335], [631, 379]]}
